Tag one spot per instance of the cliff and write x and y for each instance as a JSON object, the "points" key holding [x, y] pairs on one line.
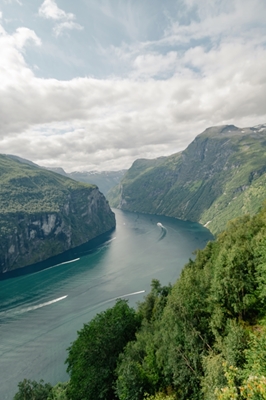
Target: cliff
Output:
{"points": [[221, 175], [43, 214]]}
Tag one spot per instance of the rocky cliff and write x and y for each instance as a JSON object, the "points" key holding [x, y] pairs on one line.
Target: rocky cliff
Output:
{"points": [[221, 175], [43, 214]]}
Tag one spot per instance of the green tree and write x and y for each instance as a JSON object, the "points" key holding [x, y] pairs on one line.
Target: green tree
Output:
{"points": [[59, 392], [138, 371], [93, 356], [32, 390]]}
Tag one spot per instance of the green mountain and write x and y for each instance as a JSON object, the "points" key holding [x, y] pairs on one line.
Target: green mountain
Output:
{"points": [[43, 213], [221, 175]]}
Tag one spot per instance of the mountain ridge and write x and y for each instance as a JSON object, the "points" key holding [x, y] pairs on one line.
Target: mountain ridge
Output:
{"points": [[219, 176], [44, 214]]}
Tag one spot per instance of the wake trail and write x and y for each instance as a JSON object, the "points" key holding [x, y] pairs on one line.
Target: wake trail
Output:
{"points": [[24, 310], [56, 265], [163, 231], [117, 298], [108, 241]]}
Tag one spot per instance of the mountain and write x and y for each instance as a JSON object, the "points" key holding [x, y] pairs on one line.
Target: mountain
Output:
{"points": [[105, 180], [20, 159], [43, 213], [220, 175]]}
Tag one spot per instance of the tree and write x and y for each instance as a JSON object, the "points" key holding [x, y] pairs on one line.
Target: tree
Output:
{"points": [[32, 390], [59, 392], [93, 356]]}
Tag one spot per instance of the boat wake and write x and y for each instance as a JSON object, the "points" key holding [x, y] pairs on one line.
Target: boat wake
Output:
{"points": [[109, 241], [120, 297], [130, 294], [65, 262], [27, 309], [163, 231], [56, 265]]}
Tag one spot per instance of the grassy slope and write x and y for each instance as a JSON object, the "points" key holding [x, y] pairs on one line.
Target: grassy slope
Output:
{"points": [[28, 189], [219, 176]]}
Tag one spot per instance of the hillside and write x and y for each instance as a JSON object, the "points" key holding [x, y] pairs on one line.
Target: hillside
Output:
{"points": [[43, 214], [221, 175], [105, 180], [204, 338]]}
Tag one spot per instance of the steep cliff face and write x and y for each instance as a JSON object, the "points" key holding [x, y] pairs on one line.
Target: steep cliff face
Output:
{"points": [[43, 214], [219, 176]]}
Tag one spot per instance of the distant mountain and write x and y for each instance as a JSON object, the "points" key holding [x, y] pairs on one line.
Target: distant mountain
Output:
{"points": [[105, 180], [43, 213], [58, 170], [221, 175]]}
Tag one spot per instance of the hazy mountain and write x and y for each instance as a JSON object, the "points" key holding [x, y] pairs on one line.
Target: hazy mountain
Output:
{"points": [[221, 175], [105, 180]]}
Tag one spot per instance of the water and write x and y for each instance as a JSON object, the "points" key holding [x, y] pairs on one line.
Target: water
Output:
{"points": [[40, 313]]}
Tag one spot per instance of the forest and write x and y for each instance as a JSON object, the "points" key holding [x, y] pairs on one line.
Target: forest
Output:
{"points": [[202, 338]]}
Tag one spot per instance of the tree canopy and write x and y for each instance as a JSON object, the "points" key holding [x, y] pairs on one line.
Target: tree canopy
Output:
{"points": [[93, 356]]}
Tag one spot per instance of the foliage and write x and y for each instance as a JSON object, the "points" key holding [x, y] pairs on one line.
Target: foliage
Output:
{"points": [[138, 371], [32, 390], [93, 356], [253, 387], [203, 338], [205, 323], [59, 392], [160, 396]]}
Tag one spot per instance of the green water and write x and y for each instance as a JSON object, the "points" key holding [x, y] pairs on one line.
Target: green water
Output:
{"points": [[41, 312]]}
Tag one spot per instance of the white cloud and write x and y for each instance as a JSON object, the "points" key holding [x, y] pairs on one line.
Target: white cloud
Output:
{"points": [[13, 1], [50, 10], [66, 25], [13, 69], [154, 64], [65, 21], [87, 123], [217, 20]]}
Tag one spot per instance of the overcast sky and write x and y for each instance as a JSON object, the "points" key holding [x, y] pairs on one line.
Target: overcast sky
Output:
{"points": [[96, 84]]}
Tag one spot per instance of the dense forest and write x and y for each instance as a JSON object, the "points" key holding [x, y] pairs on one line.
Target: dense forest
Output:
{"points": [[202, 338]]}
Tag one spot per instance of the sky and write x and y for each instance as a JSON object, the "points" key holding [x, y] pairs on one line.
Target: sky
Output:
{"points": [[95, 84]]}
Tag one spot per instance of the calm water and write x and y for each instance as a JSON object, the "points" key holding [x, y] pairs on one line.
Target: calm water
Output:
{"points": [[40, 313]]}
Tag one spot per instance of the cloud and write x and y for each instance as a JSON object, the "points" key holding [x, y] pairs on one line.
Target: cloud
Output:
{"points": [[66, 25], [13, 68], [65, 21], [154, 64], [165, 98], [217, 20], [50, 10], [13, 1]]}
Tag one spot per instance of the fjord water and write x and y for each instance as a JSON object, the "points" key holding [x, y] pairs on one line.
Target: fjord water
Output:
{"points": [[41, 312]]}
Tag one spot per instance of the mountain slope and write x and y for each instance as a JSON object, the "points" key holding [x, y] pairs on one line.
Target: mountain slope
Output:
{"points": [[221, 175], [43, 214], [105, 180]]}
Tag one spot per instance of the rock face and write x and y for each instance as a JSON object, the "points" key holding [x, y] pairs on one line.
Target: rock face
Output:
{"points": [[44, 214], [221, 175]]}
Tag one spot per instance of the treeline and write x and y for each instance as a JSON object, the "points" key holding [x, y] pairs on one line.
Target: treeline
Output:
{"points": [[203, 338]]}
